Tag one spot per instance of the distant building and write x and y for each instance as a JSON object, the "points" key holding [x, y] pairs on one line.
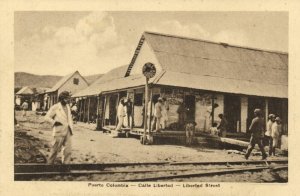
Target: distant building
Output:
{"points": [[31, 94], [71, 83]]}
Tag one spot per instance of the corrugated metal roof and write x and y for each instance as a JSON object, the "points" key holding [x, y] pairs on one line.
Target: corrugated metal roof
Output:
{"points": [[220, 67], [219, 84], [25, 91], [96, 87]]}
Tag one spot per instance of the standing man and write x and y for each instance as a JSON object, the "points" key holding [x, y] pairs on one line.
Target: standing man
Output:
{"points": [[222, 126], [276, 132], [129, 112], [269, 132], [120, 114], [190, 132], [157, 114], [257, 132], [74, 112], [25, 107], [59, 115], [165, 109]]}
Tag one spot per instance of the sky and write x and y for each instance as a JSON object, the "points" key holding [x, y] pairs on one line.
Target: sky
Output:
{"points": [[59, 43]]}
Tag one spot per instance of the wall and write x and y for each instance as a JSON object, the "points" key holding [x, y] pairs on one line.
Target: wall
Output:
{"points": [[69, 86], [203, 110], [145, 55]]}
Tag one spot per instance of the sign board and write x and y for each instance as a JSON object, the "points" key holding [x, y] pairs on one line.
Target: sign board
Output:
{"points": [[149, 70]]}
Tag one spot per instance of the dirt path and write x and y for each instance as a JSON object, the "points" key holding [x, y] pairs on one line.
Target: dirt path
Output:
{"points": [[96, 147]]}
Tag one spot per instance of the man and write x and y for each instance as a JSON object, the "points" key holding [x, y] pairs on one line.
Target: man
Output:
{"points": [[74, 111], [222, 126], [157, 114], [24, 107], [59, 115], [120, 114], [190, 132], [269, 132], [165, 109], [257, 132], [129, 112], [276, 132]]}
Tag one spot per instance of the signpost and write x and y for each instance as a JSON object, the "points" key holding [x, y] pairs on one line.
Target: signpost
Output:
{"points": [[149, 71]]}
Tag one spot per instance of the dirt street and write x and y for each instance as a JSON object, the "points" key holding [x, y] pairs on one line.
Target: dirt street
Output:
{"points": [[91, 146]]}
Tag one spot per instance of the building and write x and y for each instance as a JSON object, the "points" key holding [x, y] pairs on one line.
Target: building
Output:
{"points": [[32, 95], [71, 83], [193, 75], [88, 98]]}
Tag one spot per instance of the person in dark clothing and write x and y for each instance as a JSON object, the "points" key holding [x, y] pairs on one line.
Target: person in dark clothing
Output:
{"points": [[129, 112], [257, 133], [222, 126]]}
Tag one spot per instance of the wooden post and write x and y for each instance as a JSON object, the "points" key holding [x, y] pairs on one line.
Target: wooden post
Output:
{"points": [[151, 97], [104, 111], [146, 106], [97, 112], [213, 109], [266, 110], [118, 100], [84, 108], [88, 113], [132, 113]]}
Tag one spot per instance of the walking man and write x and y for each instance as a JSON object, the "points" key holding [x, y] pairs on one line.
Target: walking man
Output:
{"points": [[257, 132], [59, 115], [269, 132]]}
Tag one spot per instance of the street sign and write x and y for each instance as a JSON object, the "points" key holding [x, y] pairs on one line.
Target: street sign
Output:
{"points": [[149, 70]]}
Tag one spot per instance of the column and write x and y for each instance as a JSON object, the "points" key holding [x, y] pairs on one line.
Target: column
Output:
{"points": [[244, 114]]}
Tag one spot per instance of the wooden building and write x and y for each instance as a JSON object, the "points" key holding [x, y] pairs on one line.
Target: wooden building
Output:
{"points": [[71, 83], [193, 75]]}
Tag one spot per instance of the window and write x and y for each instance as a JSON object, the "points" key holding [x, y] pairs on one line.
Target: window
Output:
{"points": [[75, 81], [138, 99]]}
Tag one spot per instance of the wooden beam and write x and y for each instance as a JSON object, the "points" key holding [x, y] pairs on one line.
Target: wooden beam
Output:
{"points": [[88, 112]]}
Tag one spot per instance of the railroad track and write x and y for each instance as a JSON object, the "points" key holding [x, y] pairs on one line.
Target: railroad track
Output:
{"points": [[140, 172]]}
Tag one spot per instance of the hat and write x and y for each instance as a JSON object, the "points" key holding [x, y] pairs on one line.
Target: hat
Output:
{"points": [[63, 95], [257, 111], [277, 119], [271, 115]]}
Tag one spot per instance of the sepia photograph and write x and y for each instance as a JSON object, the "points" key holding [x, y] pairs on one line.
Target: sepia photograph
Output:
{"points": [[151, 96]]}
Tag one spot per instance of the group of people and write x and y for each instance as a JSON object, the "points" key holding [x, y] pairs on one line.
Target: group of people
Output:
{"points": [[60, 117], [124, 109], [274, 129], [221, 128], [160, 114], [257, 130]]}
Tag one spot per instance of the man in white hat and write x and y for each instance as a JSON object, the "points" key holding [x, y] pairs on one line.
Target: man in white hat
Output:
{"points": [[268, 133], [276, 131]]}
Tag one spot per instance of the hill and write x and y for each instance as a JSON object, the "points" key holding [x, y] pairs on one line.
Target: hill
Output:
{"points": [[34, 81]]}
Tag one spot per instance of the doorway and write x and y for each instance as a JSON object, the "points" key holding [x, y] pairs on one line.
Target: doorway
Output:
{"points": [[113, 109], [232, 112], [190, 105]]}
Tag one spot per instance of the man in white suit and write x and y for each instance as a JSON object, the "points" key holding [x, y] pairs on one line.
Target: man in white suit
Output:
{"points": [[59, 115]]}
